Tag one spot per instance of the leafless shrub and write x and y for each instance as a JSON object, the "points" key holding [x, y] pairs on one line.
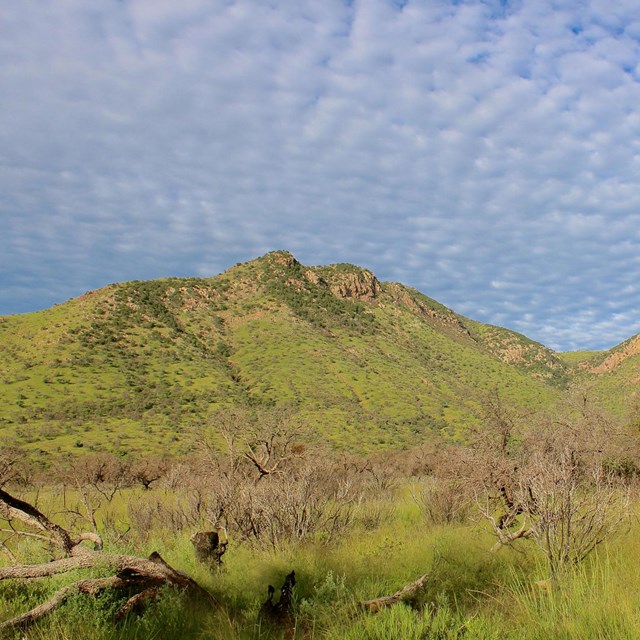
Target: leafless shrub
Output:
{"points": [[442, 488], [267, 439], [548, 481], [310, 499], [373, 514], [442, 500], [575, 507], [15, 467], [434, 456], [152, 512], [268, 483], [8, 465], [179, 474], [95, 481], [148, 471], [372, 476]]}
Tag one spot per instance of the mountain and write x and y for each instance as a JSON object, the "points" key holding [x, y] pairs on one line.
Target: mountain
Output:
{"points": [[365, 364], [613, 375]]}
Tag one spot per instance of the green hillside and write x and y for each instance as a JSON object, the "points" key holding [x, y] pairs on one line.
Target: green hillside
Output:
{"points": [[614, 375], [366, 364], [579, 359]]}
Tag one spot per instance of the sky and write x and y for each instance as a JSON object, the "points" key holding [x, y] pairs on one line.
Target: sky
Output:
{"points": [[485, 152]]}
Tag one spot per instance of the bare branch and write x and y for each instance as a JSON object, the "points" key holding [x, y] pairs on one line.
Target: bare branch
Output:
{"points": [[16, 509], [28, 534], [146, 574], [406, 593]]}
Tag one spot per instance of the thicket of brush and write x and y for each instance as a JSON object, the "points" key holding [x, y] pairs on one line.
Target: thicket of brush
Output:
{"points": [[527, 532]]}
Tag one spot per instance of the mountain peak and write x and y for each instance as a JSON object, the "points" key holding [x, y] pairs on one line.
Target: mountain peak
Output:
{"points": [[346, 281], [282, 257]]}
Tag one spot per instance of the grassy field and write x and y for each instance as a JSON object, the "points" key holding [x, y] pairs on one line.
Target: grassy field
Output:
{"points": [[470, 592]]}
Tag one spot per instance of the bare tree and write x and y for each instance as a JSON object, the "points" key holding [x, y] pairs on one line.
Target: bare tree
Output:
{"points": [[263, 477], [148, 471], [14, 466], [494, 470], [574, 507], [554, 486], [267, 439], [95, 481]]}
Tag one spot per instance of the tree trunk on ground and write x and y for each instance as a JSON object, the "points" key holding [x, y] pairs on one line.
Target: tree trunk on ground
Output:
{"points": [[146, 575], [408, 592]]}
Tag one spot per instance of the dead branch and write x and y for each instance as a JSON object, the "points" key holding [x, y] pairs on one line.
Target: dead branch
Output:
{"points": [[506, 537], [28, 571], [406, 593], [91, 586], [15, 509], [7, 551], [146, 575], [261, 465], [137, 602], [27, 534], [132, 572]]}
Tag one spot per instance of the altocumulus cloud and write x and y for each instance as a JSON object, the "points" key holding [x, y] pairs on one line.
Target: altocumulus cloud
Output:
{"points": [[487, 153]]}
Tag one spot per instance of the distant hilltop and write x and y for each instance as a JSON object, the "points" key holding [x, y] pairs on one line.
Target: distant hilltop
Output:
{"points": [[364, 364]]}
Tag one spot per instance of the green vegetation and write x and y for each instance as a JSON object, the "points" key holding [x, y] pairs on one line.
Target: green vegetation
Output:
{"points": [[525, 532], [577, 358], [357, 432], [245, 397], [134, 367], [471, 593]]}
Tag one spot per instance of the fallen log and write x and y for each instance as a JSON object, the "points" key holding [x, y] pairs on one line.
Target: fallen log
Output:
{"points": [[132, 573], [90, 586], [12, 508], [408, 592]]}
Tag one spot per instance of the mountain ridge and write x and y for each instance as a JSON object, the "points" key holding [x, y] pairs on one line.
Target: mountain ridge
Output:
{"points": [[363, 363]]}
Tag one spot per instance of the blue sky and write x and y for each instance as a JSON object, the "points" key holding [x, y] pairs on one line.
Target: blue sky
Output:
{"points": [[486, 153]]}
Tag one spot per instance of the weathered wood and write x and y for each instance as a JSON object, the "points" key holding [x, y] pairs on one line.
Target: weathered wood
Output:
{"points": [[133, 572], [210, 546], [138, 601], [48, 568], [91, 586], [13, 508], [408, 592], [146, 575]]}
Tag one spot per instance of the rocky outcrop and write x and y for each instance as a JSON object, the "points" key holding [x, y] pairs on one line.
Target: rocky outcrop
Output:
{"points": [[361, 285], [402, 295], [512, 350], [283, 258], [626, 350], [345, 281]]}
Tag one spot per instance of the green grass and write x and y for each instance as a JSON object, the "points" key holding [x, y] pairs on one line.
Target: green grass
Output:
{"points": [[471, 593], [132, 368], [576, 358]]}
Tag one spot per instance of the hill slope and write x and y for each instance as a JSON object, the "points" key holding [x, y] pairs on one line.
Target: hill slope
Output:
{"points": [[365, 363], [613, 375]]}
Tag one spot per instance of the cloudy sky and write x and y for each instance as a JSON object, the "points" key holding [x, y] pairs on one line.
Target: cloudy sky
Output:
{"points": [[486, 153]]}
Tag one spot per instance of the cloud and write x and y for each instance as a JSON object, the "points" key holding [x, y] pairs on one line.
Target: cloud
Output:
{"points": [[484, 152]]}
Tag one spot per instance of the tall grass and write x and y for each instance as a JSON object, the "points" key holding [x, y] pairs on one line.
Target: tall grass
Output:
{"points": [[597, 599], [471, 593]]}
